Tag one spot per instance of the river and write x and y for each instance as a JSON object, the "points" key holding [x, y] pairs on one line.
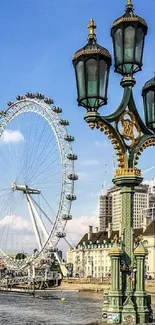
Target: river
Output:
{"points": [[23, 309]]}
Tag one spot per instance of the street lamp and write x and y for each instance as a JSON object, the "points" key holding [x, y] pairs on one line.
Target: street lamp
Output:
{"points": [[129, 136], [148, 94], [128, 34], [92, 64]]}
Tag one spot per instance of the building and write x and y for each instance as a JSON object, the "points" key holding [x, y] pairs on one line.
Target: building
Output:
{"points": [[105, 211], [148, 214], [149, 243], [110, 207], [152, 186], [90, 257]]}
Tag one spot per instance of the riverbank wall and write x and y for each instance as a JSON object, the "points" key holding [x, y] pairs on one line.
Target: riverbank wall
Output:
{"points": [[82, 284]]}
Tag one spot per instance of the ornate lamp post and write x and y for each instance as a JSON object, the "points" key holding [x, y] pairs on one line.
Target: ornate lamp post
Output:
{"points": [[129, 136]]}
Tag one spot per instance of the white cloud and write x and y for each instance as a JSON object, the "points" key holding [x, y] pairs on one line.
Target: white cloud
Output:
{"points": [[25, 243], [102, 144], [15, 223], [29, 241], [10, 136], [90, 162], [76, 228]]}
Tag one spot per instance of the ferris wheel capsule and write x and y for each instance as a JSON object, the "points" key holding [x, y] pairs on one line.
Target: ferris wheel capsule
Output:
{"points": [[10, 103], [69, 138], [67, 217], [30, 95], [39, 96], [57, 109], [48, 100], [72, 156], [20, 97], [61, 234], [73, 177], [64, 122], [71, 197], [3, 113]]}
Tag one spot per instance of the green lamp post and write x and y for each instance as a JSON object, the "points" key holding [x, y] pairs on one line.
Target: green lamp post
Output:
{"points": [[129, 136]]}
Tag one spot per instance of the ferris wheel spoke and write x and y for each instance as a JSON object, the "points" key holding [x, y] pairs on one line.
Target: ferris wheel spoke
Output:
{"points": [[51, 166], [30, 152], [35, 165], [4, 198], [34, 152], [49, 169], [8, 224], [30, 148], [27, 153], [41, 162], [47, 178]]}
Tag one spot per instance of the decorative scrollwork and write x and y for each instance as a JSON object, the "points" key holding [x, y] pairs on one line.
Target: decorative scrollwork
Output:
{"points": [[147, 143], [118, 147], [130, 128]]}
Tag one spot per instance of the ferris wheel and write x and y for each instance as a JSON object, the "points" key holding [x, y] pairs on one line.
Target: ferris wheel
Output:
{"points": [[37, 177]]}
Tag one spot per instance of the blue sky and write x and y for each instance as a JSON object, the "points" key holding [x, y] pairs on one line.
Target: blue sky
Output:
{"points": [[37, 40]]}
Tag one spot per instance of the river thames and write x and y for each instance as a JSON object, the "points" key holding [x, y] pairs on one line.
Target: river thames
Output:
{"points": [[23, 309]]}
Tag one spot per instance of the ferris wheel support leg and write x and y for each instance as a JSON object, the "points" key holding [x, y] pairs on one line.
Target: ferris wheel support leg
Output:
{"points": [[62, 266], [40, 222], [46, 234], [36, 230]]}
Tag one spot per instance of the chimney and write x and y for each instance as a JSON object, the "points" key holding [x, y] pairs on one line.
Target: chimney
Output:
{"points": [[96, 230], [146, 222], [90, 231], [109, 229]]}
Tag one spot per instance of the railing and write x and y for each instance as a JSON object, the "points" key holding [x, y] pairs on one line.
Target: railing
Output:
{"points": [[6, 281]]}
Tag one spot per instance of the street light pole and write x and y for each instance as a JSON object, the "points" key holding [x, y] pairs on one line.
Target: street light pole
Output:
{"points": [[129, 136]]}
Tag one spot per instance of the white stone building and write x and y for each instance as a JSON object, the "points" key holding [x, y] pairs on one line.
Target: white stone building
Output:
{"points": [[90, 257]]}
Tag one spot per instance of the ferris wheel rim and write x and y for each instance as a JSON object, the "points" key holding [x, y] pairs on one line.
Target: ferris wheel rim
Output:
{"points": [[27, 105]]}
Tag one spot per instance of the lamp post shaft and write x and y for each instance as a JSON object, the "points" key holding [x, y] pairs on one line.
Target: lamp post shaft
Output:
{"points": [[127, 193]]}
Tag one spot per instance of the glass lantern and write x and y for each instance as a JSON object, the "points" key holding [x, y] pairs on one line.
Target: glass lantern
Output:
{"points": [[92, 64], [148, 94], [128, 34]]}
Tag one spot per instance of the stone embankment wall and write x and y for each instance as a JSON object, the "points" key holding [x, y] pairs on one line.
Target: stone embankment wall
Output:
{"points": [[86, 284]]}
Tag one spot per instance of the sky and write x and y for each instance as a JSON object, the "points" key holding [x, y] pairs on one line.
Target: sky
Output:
{"points": [[37, 40]]}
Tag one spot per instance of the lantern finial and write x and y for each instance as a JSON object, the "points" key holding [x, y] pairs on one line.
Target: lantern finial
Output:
{"points": [[129, 4], [91, 26]]}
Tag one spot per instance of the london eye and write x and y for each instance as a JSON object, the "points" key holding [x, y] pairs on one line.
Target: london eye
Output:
{"points": [[37, 178]]}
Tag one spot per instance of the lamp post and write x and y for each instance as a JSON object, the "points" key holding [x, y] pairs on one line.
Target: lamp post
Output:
{"points": [[129, 136]]}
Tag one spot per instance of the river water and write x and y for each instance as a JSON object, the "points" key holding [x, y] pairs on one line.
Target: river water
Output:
{"points": [[48, 309]]}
